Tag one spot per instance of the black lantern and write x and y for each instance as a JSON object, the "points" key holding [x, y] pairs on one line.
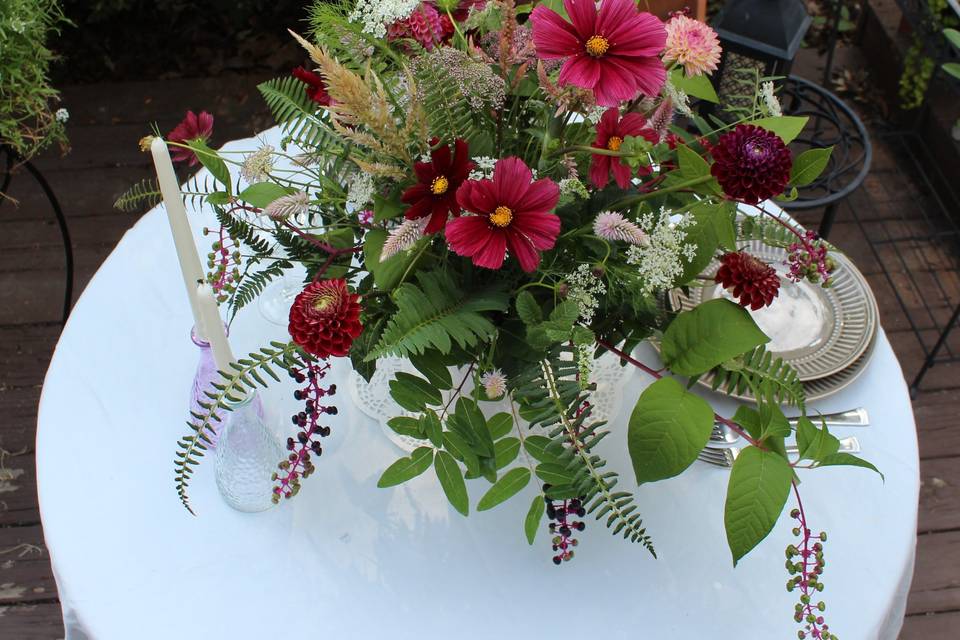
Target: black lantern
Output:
{"points": [[766, 31]]}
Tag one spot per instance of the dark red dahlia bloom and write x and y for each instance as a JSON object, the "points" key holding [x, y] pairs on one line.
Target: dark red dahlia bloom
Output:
{"points": [[613, 52], [611, 130], [751, 164], [435, 193], [192, 127], [325, 318], [316, 87], [512, 212], [753, 282]]}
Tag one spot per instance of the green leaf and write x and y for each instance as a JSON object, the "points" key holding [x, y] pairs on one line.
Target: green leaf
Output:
{"points": [[263, 193], [406, 468], [430, 424], [749, 420], [431, 366], [457, 446], [505, 451], [787, 127], [531, 524], [537, 447], [691, 164], [775, 424], [758, 488], [848, 460], [528, 309], [953, 68], [469, 416], [386, 208], [814, 443], [218, 198], [808, 166], [413, 393], [405, 426], [714, 332], [697, 86], [553, 473], [953, 37], [500, 424], [212, 162], [448, 472], [386, 274], [669, 426], [506, 487]]}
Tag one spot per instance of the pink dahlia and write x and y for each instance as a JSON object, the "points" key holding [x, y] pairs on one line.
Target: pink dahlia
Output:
{"points": [[612, 52], [611, 130], [513, 212], [192, 127], [316, 87], [692, 44]]}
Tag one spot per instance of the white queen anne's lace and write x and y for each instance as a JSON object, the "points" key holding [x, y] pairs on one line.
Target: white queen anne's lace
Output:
{"points": [[661, 261], [377, 15], [585, 290]]}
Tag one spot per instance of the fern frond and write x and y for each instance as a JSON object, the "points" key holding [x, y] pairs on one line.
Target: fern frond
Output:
{"points": [[244, 378], [144, 194], [253, 284], [759, 370], [296, 113], [436, 315]]}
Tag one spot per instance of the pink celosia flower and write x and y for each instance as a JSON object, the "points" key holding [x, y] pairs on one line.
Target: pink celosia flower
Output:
{"points": [[693, 44], [611, 130], [613, 227], [512, 212], [192, 127], [612, 52]]}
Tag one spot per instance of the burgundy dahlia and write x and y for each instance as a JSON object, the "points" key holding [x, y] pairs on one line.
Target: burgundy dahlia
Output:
{"points": [[325, 318], [753, 282], [435, 193], [751, 164]]}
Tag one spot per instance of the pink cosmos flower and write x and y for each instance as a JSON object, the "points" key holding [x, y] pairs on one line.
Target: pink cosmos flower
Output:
{"points": [[512, 212], [612, 52], [611, 130], [192, 127], [693, 44]]}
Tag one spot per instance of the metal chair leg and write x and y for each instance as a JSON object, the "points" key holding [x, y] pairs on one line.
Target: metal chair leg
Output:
{"points": [[932, 356], [826, 222]]}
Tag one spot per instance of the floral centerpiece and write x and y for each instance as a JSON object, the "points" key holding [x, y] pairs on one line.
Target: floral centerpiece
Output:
{"points": [[506, 192]]}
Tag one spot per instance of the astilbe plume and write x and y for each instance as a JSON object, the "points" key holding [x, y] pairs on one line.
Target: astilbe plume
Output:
{"points": [[298, 464], [752, 281]]}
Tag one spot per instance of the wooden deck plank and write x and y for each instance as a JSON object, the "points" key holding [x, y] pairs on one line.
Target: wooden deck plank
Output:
{"points": [[936, 580], [25, 573], [34, 621], [931, 627], [939, 495]]}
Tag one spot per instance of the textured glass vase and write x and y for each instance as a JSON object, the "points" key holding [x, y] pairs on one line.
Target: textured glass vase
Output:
{"points": [[246, 457], [206, 373]]}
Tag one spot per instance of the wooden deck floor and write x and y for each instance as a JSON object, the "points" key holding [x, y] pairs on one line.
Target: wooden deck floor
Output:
{"points": [[105, 125]]}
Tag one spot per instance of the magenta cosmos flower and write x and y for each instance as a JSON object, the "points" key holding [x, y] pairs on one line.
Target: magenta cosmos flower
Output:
{"points": [[612, 52], [611, 130], [513, 212], [192, 127]]}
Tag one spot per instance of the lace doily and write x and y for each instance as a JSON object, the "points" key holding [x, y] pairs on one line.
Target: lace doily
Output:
{"points": [[373, 398]]}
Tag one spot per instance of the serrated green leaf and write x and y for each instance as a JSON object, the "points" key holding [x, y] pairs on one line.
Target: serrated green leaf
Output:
{"points": [[406, 468], [702, 338], [749, 420], [758, 489], [528, 309], [787, 127], [808, 166], [385, 208], [448, 472], [506, 487], [531, 524], [669, 426]]}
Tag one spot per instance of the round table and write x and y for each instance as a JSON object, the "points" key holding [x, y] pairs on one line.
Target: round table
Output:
{"points": [[348, 560]]}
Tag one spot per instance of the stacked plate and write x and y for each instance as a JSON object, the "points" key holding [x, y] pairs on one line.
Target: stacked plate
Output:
{"points": [[826, 335]]}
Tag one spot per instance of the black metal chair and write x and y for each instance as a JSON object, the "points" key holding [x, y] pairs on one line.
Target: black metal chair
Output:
{"points": [[832, 123], [13, 161]]}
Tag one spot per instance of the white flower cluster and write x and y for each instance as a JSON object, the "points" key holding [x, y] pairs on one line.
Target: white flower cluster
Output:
{"points": [[62, 115], [484, 168], [573, 187], [585, 289], [661, 261], [584, 357], [595, 114], [377, 15], [770, 99], [360, 191], [258, 165]]}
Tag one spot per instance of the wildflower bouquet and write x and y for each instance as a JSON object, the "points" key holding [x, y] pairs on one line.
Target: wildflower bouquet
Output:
{"points": [[506, 192]]}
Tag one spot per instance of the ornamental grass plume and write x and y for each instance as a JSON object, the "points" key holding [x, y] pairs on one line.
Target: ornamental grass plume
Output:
{"points": [[512, 211], [614, 52], [692, 44], [751, 164], [325, 318], [752, 281]]}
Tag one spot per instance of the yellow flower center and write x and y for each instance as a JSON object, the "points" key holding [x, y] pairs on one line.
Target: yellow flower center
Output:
{"points": [[323, 301], [501, 216], [439, 185], [613, 144], [597, 46]]}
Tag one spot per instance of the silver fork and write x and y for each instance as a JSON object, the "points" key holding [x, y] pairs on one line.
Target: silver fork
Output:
{"points": [[725, 457], [851, 418]]}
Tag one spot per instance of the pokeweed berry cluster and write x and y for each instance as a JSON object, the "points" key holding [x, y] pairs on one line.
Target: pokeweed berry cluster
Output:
{"points": [[805, 564], [298, 463], [809, 260], [562, 526], [223, 263]]}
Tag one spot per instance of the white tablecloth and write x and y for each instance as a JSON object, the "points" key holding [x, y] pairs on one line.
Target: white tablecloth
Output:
{"points": [[347, 560]]}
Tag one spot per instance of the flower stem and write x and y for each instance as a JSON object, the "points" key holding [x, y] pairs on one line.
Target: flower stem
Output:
{"points": [[632, 200]]}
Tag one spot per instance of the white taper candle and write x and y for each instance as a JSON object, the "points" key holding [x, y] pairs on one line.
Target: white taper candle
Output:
{"points": [[190, 265], [212, 327]]}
